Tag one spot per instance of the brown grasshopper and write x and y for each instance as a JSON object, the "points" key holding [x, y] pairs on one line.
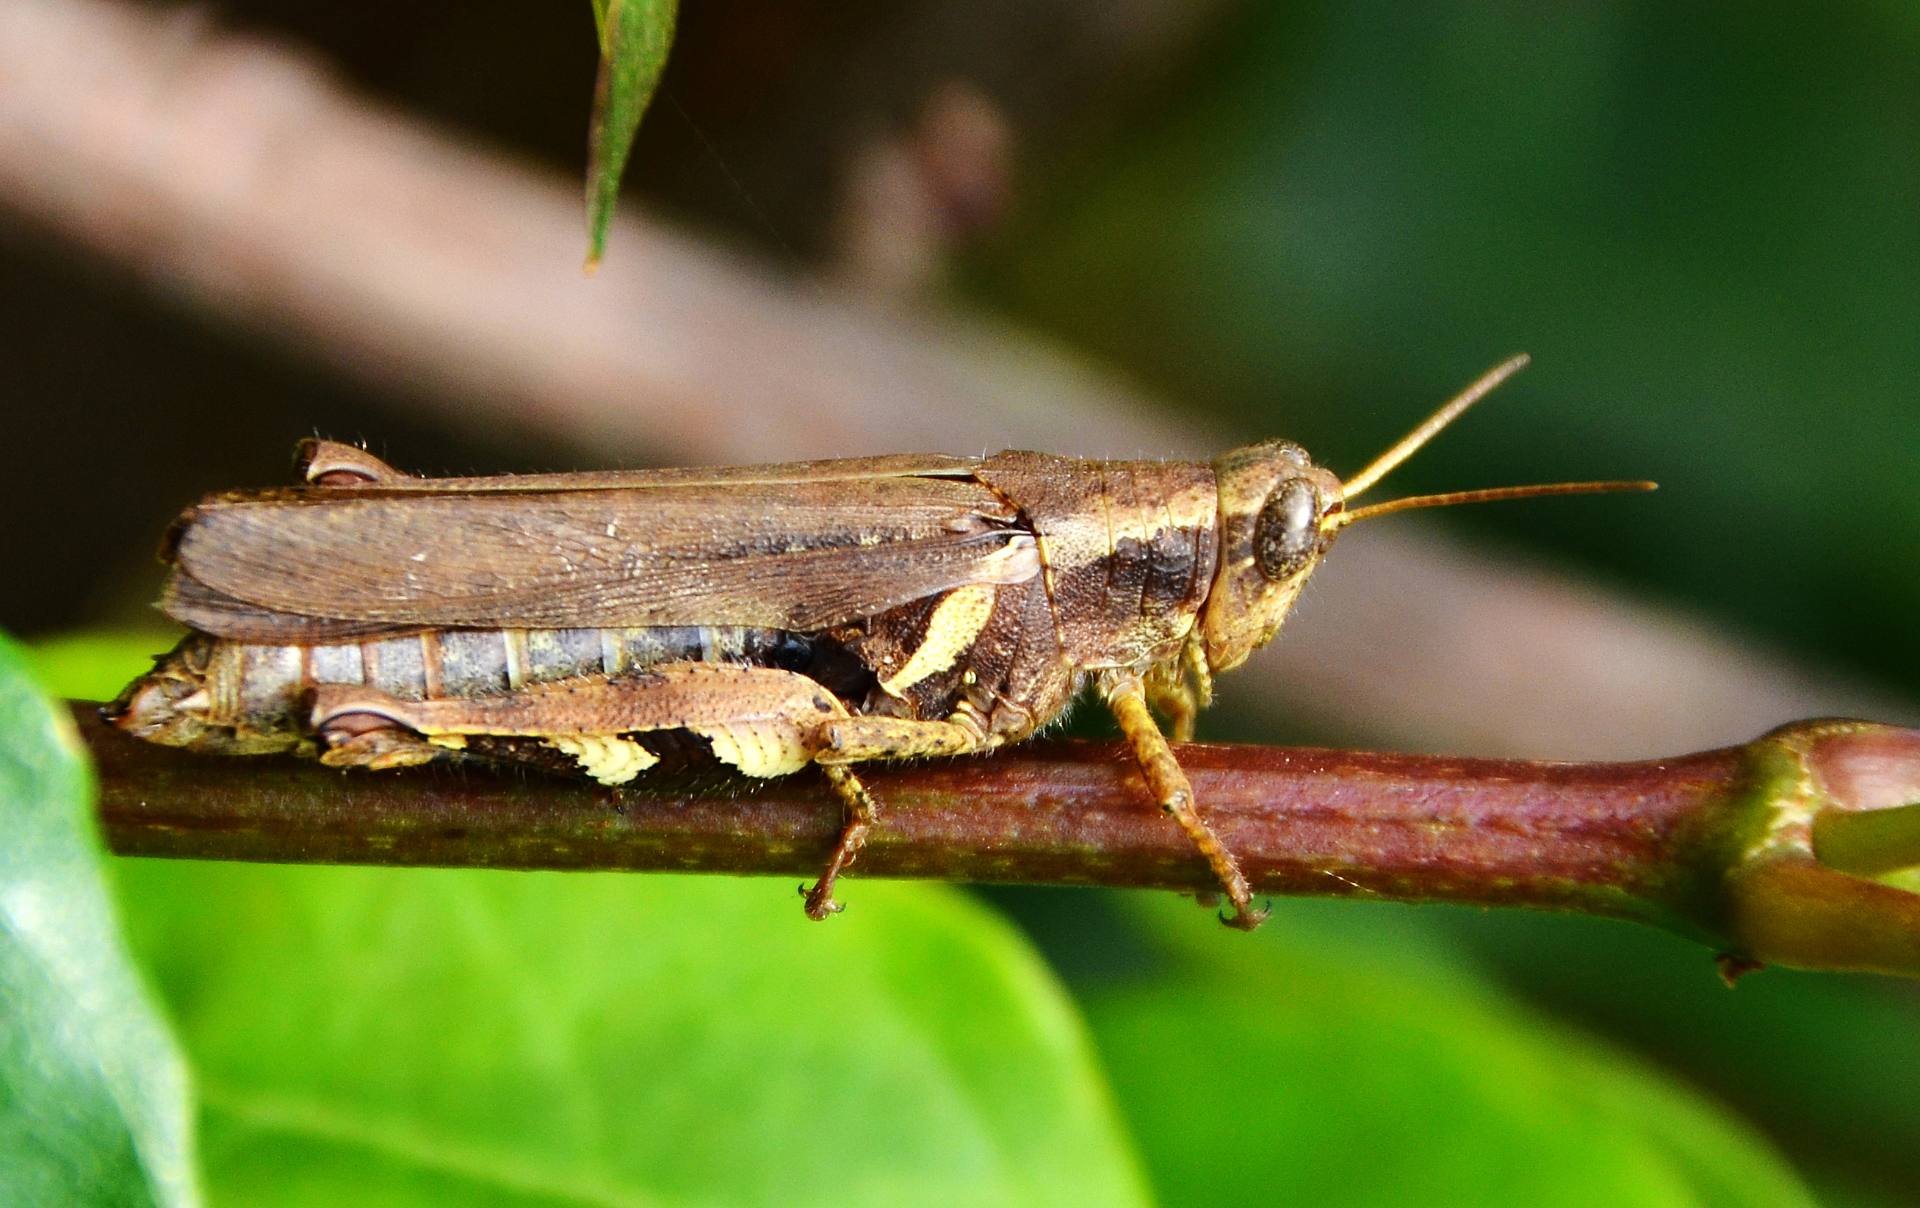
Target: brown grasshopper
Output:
{"points": [[764, 617]]}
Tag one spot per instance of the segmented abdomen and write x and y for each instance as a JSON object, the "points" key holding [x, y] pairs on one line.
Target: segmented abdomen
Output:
{"points": [[260, 687]]}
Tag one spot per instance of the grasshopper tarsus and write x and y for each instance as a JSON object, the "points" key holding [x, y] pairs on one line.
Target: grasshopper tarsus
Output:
{"points": [[1246, 918], [860, 814], [820, 902]]}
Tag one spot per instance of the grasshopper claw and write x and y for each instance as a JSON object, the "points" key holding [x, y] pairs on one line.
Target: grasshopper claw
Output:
{"points": [[820, 902], [1246, 918]]}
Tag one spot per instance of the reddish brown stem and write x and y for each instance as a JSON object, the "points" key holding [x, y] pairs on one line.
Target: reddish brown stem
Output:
{"points": [[1719, 845], [1594, 837]]}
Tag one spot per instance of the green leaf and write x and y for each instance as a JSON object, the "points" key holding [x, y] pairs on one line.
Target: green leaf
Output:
{"points": [[93, 1093], [1372, 1078], [415, 1036], [1826, 1060], [634, 38]]}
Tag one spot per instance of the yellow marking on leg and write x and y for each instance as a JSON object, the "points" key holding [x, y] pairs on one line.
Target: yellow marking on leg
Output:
{"points": [[607, 758], [1126, 696], [956, 621], [1173, 689], [1178, 706], [771, 748], [452, 742]]}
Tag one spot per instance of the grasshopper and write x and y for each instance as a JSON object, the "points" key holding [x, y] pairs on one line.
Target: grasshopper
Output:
{"points": [[766, 618]]}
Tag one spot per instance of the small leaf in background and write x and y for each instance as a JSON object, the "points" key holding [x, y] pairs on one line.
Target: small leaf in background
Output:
{"points": [[94, 666], [427, 1036], [634, 38], [94, 1105], [1387, 1077]]}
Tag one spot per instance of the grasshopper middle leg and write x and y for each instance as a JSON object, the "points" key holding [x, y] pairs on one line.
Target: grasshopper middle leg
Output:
{"points": [[860, 814], [851, 740]]}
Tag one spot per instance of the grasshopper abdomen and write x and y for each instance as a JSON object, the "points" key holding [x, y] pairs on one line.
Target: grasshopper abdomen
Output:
{"points": [[226, 696]]}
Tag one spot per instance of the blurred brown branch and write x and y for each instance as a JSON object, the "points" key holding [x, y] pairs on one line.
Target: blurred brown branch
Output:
{"points": [[1718, 845], [239, 173]]}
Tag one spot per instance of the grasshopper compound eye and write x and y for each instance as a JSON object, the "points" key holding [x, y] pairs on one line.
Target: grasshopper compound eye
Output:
{"points": [[1288, 530]]}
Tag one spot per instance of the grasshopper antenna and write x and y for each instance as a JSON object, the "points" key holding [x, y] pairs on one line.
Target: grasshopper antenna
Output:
{"points": [[1489, 495], [1411, 443]]}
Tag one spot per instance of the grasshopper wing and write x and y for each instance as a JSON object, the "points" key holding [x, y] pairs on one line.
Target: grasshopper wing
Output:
{"points": [[805, 553]]}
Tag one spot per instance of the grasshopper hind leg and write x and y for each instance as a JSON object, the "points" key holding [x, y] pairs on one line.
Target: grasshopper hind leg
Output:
{"points": [[860, 815], [760, 721], [368, 740]]}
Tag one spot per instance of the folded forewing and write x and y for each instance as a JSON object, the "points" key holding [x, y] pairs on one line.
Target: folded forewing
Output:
{"points": [[803, 554]]}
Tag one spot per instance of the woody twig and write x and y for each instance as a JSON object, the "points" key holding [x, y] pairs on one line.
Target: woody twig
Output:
{"points": [[1769, 852]]}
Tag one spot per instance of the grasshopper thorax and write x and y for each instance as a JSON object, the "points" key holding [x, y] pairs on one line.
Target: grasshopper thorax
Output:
{"points": [[1278, 516]]}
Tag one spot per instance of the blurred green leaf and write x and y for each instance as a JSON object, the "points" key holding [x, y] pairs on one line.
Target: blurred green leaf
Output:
{"points": [[94, 666], [93, 1093], [634, 38], [1383, 1077], [1827, 1060], [414, 1036], [1699, 219]]}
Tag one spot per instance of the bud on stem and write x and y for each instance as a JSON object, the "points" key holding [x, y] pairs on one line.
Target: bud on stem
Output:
{"points": [[1830, 806]]}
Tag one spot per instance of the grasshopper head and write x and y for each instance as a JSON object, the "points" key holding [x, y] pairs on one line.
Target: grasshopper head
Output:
{"points": [[174, 705], [1278, 516], [168, 705]]}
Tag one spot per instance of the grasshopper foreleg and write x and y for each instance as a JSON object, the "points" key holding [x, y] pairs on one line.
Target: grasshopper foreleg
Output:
{"points": [[1126, 695], [1179, 689]]}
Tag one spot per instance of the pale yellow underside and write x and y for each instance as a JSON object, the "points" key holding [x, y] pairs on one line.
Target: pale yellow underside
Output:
{"points": [[758, 748], [607, 758]]}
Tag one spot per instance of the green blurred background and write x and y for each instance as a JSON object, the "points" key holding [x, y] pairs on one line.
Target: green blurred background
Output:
{"points": [[1703, 220]]}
